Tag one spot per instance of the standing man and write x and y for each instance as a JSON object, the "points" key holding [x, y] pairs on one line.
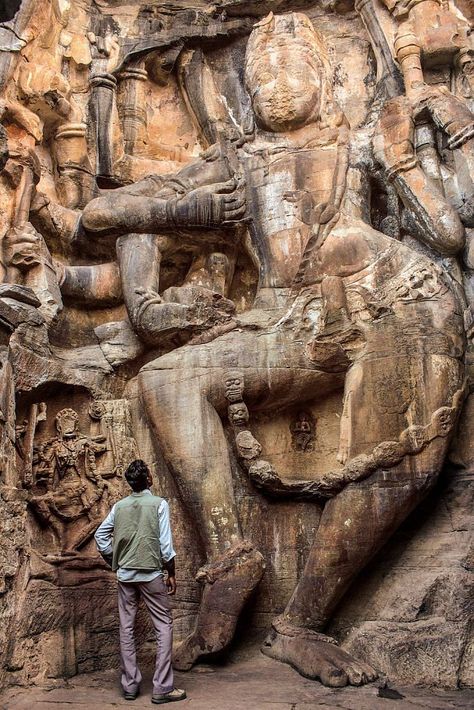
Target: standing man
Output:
{"points": [[135, 540]]}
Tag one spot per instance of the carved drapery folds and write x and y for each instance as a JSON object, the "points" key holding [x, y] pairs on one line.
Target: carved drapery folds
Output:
{"points": [[237, 242]]}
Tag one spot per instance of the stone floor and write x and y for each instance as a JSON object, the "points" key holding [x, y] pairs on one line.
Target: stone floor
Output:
{"points": [[250, 683]]}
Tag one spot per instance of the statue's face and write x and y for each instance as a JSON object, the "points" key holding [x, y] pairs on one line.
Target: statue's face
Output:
{"points": [[238, 414], [285, 87], [233, 387], [66, 422]]}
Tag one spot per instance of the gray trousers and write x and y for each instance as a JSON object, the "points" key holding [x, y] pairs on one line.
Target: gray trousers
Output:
{"points": [[157, 601]]}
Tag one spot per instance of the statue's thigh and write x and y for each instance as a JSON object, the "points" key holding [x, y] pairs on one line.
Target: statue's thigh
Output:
{"points": [[385, 395], [275, 370], [273, 366]]}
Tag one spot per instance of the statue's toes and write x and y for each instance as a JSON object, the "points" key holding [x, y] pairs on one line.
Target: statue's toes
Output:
{"points": [[370, 673], [360, 673], [357, 673], [185, 655], [332, 676]]}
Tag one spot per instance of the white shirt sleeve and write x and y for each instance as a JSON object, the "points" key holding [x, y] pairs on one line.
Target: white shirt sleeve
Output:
{"points": [[166, 540], [105, 532]]}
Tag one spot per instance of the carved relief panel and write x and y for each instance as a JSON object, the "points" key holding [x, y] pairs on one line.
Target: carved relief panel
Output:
{"points": [[72, 467]]}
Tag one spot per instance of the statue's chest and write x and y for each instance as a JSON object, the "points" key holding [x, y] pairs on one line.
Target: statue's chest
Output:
{"points": [[284, 185]]}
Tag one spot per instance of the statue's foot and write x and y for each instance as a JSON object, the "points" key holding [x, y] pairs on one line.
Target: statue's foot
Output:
{"points": [[228, 583], [186, 654], [314, 657]]}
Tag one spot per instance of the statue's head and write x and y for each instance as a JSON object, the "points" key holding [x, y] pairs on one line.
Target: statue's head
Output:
{"points": [[66, 422], [234, 386], [238, 414], [286, 72], [217, 264]]}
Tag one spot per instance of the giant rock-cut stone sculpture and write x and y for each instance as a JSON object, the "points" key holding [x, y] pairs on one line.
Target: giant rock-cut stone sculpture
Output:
{"points": [[232, 249]]}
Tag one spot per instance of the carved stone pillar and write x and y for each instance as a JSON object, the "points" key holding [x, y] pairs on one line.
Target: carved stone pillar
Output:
{"points": [[103, 88], [72, 163], [131, 104], [7, 421], [408, 52]]}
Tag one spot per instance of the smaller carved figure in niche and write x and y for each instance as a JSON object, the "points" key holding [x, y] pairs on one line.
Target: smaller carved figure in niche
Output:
{"points": [[302, 432], [67, 451], [212, 273], [238, 415], [66, 483], [234, 386]]}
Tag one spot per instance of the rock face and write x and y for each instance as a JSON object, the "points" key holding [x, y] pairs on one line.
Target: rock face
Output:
{"points": [[237, 242]]}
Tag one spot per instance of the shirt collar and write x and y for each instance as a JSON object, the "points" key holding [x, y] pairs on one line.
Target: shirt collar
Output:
{"points": [[142, 493]]}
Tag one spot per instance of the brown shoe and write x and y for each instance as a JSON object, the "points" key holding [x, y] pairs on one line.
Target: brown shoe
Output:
{"points": [[172, 697]]}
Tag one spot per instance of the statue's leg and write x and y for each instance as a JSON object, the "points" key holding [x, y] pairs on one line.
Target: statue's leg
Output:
{"points": [[384, 397], [176, 394], [139, 259], [184, 396], [122, 213]]}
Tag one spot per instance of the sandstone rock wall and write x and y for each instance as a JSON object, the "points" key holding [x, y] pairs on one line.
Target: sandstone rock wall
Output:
{"points": [[236, 242]]}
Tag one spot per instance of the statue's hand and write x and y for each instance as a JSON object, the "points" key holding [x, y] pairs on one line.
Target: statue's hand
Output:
{"points": [[394, 136], [155, 318], [22, 247], [449, 113], [209, 206], [208, 312]]}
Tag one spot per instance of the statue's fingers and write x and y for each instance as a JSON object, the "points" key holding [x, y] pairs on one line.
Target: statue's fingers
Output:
{"points": [[234, 201], [226, 187], [234, 214]]}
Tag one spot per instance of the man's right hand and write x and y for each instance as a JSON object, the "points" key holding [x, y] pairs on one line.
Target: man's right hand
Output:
{"points": [[107, 557], [171, 585]]}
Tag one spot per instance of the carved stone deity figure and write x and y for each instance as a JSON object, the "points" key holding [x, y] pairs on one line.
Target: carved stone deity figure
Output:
{"points": [[66, 484], [339, 306], [302, 432], [433, 46]]}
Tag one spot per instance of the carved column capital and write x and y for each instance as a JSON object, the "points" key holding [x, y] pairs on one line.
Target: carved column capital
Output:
{"points": [[134, 73], [106, 80]]}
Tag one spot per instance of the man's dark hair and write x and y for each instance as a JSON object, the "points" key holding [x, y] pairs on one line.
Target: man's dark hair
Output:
{"points": [[137, 475]]}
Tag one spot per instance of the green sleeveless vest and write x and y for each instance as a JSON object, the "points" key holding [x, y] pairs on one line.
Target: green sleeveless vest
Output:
{"points": [[136, 533]]}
